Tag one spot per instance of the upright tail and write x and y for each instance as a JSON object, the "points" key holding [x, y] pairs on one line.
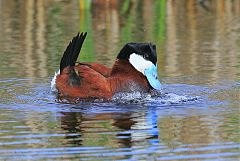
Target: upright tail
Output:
{"points": [[72, 51]]}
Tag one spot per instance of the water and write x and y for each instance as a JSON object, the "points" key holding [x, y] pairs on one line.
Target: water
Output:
{"points": [[196, 117]]}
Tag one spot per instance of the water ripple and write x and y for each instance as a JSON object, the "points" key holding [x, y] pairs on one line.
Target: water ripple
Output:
{"points": [[157, 152]]}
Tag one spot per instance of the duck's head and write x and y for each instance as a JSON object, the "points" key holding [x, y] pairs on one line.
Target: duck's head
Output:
{"points": [[143, 57]]}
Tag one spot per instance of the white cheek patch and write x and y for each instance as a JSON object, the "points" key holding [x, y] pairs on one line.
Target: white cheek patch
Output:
{"points": [[53, 82], [139, 62]]}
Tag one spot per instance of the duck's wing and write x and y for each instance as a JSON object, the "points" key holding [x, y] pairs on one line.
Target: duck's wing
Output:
{"points": [[86, 84], [102, 69]]}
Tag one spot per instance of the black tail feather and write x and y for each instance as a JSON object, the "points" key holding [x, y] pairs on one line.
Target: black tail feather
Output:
{"points": [[72, 51]]}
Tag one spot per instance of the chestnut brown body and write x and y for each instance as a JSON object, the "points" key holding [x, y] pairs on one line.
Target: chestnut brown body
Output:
{"points": [[93, 80], [98, 81]]}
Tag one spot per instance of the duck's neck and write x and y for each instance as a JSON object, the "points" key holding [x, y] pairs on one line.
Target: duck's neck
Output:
{"points": [[124, 77], [122, 67]]}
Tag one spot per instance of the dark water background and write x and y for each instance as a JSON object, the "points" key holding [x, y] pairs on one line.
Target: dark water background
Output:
{"points": [[198, 45]]}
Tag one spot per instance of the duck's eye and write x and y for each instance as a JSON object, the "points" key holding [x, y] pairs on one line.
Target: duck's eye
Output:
{"points": [[146, 56]]}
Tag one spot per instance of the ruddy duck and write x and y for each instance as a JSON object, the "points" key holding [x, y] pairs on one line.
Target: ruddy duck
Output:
{"points": [[135, 69]]}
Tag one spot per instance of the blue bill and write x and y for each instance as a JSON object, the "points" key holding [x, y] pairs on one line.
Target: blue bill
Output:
{"points": [[152, 77]]}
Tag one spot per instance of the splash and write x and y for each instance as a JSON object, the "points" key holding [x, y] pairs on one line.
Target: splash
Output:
{"points": [[53, 82], [155, 97], [152, 98], [172, 98]]}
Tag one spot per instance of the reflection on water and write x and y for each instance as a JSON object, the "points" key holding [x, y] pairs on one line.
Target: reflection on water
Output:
{"points": [[198, 57]]}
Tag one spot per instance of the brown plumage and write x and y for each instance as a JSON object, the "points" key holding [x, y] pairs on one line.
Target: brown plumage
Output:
{"points": [[93, 80]]}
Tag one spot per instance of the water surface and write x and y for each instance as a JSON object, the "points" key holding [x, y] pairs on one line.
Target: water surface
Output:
{"points": [[197, 117]]}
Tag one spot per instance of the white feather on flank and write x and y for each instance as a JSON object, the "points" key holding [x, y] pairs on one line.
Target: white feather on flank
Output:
{"points": [[139, 62], [53, 82]]}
